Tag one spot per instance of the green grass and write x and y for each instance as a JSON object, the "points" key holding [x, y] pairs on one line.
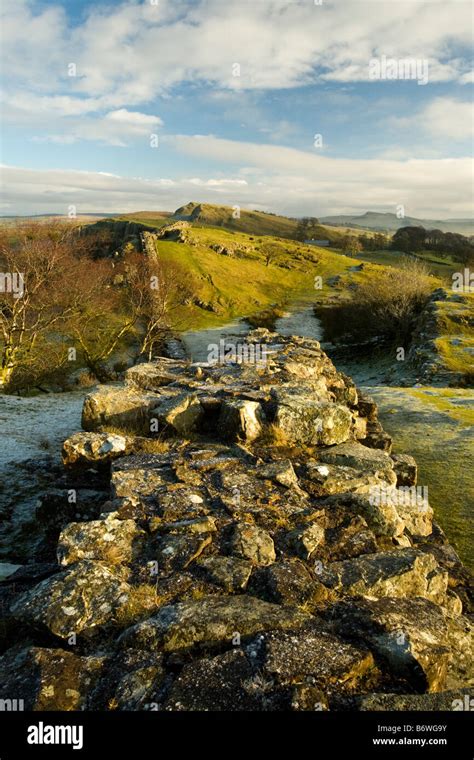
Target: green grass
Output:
{"points": [[455, 357], [440, 268], [249, 222], [435, 425], [444, 400], [242, 285], [456, 335], [152, 219]]}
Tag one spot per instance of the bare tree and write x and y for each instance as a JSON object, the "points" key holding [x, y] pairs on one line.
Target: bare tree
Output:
{"points": [[38, 263], [157, 291], [351, 245], [103, 317]]}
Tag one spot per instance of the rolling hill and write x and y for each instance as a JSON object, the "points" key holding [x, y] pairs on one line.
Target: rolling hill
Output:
{"points": [[386, 222], [249, 222]]}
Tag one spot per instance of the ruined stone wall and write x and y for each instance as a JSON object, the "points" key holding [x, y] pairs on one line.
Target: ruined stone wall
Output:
{"points": [[258, 547]]}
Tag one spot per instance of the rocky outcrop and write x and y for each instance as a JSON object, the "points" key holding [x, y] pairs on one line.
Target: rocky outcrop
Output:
{"points": [[255, 554], [448, 317], [93, 448]]}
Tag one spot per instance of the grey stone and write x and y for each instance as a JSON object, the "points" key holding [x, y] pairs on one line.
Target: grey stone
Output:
{"points": [[210, 621]]}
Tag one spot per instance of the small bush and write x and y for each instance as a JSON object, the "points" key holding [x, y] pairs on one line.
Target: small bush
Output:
{"points": [[385, 305]]}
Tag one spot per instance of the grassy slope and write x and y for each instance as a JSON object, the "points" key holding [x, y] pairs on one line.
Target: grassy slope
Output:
{"points": [[439, 267], [153, 219], [251, 222], [243, 286], [456, 343], [240, 286], [435, 425]]}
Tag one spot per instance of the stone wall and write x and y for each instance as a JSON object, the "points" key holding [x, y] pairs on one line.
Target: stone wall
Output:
{"points": [[259, 548]]}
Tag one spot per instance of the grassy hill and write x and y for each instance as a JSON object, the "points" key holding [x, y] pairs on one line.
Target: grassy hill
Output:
{"points": [[438, 266], [233, 276], [149, 218], [250, 222], [240, 273]]}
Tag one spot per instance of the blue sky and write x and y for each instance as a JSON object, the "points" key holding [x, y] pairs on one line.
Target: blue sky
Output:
{"points": [[236, 92]]}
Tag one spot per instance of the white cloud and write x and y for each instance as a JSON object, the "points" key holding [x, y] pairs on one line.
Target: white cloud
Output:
{"points": [[127, 54], [444, 117], [275, 178], [133, 118], [119, 127], [131, 52]]}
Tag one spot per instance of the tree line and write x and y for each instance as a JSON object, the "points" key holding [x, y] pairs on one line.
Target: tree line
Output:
{"points": [[77, 308], [453, 244]]}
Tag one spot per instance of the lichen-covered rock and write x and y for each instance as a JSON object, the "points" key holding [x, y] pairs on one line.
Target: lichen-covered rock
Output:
{"points": [[120, 408], [403, 573], [409, 634], [379, 440], [287, 582], [231, 573], [210, 621], [311, 652], [253, 543], [224, 682], [366, 406], [305, 420], [151, 376], [139, 475], [48, 679], [347, 536], [196, 525], [356, 455], [326, 479], [93, 448], [306, 540], [281, 472], [380, 514], [110, 540], [131, 680], [443, 701], [268, 555], [460, 637], [240, 419], [178, 415], [307, 698], [405, 468], [80, 599], [415, 511], [176, 552]]}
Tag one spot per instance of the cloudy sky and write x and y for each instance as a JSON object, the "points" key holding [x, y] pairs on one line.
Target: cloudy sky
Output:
{"points": [[270, 104]]}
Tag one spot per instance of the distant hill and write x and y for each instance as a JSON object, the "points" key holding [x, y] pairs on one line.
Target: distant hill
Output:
{"points": [[79, 218], [250, 222], [331, 228], [388, 222]]}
